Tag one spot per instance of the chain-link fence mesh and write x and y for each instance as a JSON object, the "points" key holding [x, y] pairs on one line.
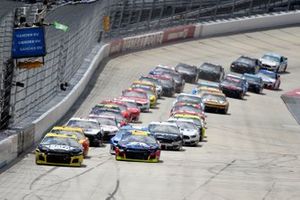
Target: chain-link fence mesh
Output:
{"points": [[66, 51], [135, 16]]}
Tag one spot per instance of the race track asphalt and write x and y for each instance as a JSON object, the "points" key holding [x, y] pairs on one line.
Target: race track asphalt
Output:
{"points": [[250, 153]]}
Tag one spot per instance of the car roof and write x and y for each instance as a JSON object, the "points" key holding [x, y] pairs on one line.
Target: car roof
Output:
{"points": [[102, 116], [251, 75], [190, 95], [211, 64], [272, 54], [214, 93], [247, 57], [187, 116], [180, 119], [83, 119], [68, 128], [164, 123], [139, 132], [264, 71], [60, 135]]}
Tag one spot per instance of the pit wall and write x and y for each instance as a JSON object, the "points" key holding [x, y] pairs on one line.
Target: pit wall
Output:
{"points": [[24, 138]]}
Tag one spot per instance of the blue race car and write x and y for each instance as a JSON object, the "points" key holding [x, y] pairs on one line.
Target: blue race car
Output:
{"points": [[271, 79], [139, 146], [255, 83], [124, 131]]}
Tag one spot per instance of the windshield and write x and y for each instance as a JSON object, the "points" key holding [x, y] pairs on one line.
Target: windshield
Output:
{"points": [[107, 121], [209, 67], [131, 104], [246, 61], [253, 78], [203, 84], [186, 68], [163, 128], [139, 139], [134, 94], [154, 81], [79, 136], [168, 82], [83, 124], [268, 74], [60, 141], [272, 58], [100, 111], [187, 109], [212, 97], [234, 82], [192, 99], [186, 125]]}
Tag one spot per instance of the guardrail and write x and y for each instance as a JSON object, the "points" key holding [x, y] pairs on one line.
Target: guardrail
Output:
{"points": [[23, 138]]}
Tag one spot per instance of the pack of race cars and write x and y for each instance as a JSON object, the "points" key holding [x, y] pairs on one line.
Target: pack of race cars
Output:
{"points": [[113, 119]]}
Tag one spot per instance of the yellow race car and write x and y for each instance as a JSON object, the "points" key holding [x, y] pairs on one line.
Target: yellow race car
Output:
{"points": [[198, 121], [58, 149], [147, 83], [78, 133], [215, 101]]}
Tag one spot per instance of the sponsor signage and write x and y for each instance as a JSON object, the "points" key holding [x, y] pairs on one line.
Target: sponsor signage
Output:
{"points": [[28, 42]]}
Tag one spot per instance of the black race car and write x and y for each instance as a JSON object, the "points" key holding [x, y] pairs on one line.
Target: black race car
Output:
{"points": [[171, 73], [232, 87], [167, 83], [188, 72], [211, 72], [167, 134], [58, 149], [245, 64], [255, 83]]}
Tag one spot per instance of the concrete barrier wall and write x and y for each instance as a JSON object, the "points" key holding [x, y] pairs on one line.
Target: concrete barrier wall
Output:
{"points": [[12, 146], [246, 24]]}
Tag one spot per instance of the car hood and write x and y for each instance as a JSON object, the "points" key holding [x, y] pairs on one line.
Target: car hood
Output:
{"points": [[188, 132], [268, 79], [91, 131], [138, 145], [269, 62], [138, 100], [109, 128], [165, 135], [59, 148]]}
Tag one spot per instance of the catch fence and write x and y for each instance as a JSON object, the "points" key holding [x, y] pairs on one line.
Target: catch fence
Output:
{"points": [[66, 51]]}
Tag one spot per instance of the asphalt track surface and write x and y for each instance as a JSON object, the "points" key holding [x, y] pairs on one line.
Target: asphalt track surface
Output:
{"points": [[251, 153]]}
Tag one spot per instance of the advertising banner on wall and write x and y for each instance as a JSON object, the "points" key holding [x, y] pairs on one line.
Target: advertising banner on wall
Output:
{"points": [[28, 42]]}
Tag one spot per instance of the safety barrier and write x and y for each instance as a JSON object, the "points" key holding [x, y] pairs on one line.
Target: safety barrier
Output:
{"points": [[14, 145]]}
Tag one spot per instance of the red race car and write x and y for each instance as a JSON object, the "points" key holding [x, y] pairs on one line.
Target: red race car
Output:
{"points": [[132, 107], [140, 97], [123, 107]]}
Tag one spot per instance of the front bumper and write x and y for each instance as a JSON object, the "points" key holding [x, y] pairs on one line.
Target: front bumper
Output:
{"points": [[189, 78], [170, 145], [169, 92], [138, 156], [144, 107], [232, 93], [269, 67], [58, 159], [190, 140]]}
